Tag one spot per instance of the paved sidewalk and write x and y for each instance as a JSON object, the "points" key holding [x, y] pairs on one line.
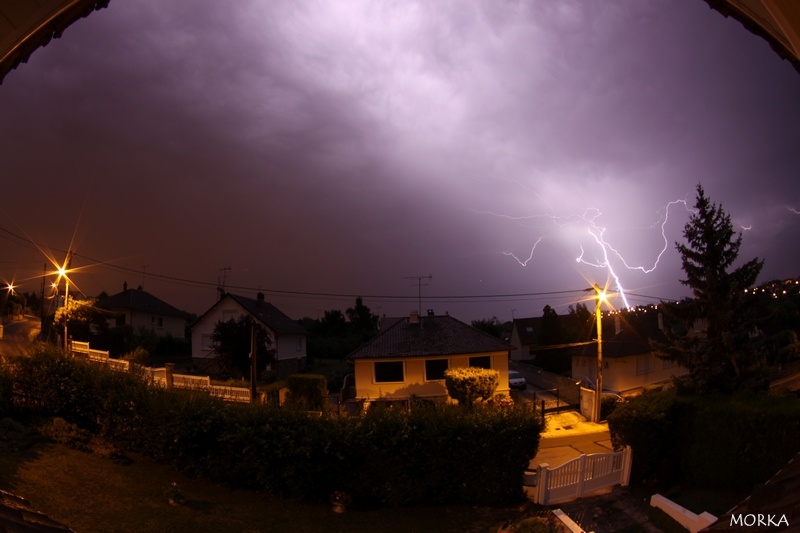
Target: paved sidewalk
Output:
{"points": [[567, 436], [570, 423]]}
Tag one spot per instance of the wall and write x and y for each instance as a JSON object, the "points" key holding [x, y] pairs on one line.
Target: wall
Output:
{"points": [[626, 374], [415, 383]]}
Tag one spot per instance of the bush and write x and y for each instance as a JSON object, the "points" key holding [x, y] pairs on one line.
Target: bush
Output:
{"points": [[6, 388], [436, 454], [698, 439], [467, 385], [308, 391], [644, 423]]}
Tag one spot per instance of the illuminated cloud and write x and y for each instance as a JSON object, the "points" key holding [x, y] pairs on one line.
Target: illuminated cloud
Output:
{"points": [[339, 147]]}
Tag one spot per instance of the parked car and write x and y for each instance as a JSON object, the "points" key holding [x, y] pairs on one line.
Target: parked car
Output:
{"points": [[516, 380]]}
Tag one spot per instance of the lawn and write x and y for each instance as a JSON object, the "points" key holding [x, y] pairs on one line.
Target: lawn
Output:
{"points": [[91, 492]]}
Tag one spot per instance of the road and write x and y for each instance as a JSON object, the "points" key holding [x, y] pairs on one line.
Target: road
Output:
{"points": [[18, 335]]}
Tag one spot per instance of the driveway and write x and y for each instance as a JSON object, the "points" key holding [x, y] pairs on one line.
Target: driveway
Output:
{"points": [[18, 335]]}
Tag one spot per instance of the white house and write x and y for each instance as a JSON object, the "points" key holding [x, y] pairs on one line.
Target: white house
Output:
{"points": [[287, 336], [142, 311]]}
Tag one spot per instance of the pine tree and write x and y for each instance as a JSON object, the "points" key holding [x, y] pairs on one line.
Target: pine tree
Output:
{"points": [[710, 333]]}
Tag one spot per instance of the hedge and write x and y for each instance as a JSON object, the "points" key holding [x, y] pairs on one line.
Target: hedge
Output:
{"points": [[708, 441], [441, 454]]}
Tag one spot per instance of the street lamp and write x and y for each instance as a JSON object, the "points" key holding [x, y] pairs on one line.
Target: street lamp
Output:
{"points": [[598, 392], [62, 272]]}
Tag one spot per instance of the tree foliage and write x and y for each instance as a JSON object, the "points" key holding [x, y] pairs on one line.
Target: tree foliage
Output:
{"points": [[231, 342], [492, 326], [337, 334], [711, 333], [468, 385]]}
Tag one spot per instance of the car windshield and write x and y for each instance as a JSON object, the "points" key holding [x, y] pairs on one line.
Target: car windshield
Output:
{"points": [[514, 375]]}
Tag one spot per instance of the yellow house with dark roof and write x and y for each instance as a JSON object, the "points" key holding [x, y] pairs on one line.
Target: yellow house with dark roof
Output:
{"points": [[410, 357]]}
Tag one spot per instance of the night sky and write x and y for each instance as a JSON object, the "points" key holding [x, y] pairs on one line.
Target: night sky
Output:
{"points": [[516, 152]]}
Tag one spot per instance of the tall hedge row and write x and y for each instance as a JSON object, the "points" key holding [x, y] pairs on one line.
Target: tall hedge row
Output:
{"points": [[714, 441], [441, 454]]}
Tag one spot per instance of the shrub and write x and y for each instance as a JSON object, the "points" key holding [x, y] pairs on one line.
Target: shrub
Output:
{"points": [[698, 439], [308, 391], [441, 454], [644, 423], [6, 387], [467, 385], [139, 356]]}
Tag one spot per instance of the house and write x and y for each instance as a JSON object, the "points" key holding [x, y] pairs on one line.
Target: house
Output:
{"points": [[524, 336], [629, 364], [410, 356], [142, 311], [529, 335], [287, 336]]}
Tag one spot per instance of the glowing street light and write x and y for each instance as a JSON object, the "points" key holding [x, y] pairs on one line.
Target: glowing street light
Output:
{"points": [[598, 392], [9, 291], [63, 272]]}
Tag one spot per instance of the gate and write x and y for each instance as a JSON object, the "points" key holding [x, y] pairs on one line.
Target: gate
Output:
{"points": [[581, 476]]}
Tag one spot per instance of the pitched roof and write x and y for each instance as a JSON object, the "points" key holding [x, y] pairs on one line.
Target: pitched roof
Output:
{"points": [[139, 300], [267, 313], [626, 336], [433, 335]]}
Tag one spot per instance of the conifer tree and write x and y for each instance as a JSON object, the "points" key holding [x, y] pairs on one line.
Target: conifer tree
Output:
{"points": [[710, 333]]}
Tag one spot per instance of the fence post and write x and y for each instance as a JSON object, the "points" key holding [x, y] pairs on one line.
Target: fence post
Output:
{"points": [[169, 368], [627, 460], [543, 422], [541, 483], [581, 475]]}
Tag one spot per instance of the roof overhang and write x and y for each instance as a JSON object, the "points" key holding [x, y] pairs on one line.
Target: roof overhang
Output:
{"points": [[776, 21], [27, 25]]}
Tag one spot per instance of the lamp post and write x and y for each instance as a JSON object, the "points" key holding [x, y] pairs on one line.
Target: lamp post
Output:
{"points": [[62, 272], [598, 392]]}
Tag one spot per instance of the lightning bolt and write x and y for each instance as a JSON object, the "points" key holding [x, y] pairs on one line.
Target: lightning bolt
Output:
{"points": [[521, 262], [607, 252]]}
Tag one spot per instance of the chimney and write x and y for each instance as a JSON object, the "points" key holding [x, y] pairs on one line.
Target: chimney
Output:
{"points": [[260, 299], [414, 318]]}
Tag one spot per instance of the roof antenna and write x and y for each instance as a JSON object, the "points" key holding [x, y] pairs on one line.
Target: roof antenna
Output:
{"points": [[419, 288]]}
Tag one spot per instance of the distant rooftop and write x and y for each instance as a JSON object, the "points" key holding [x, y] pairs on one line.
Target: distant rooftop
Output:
{"points": [[430, 335]]}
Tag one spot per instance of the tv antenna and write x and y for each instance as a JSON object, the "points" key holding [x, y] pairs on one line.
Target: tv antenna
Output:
{"points": [[419, 289]]}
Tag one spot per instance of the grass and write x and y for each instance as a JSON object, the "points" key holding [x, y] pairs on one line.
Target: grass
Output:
{"points": [[90, 492]]}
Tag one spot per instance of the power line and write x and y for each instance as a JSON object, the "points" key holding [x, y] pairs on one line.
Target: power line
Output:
{"points": [[306, 294]]}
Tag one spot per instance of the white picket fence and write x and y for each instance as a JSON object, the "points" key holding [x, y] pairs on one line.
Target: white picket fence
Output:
{"points": [[159, 376], [582, 476]]}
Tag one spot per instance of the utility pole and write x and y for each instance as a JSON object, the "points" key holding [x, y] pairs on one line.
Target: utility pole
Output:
{"points": [[598, 392], [65, 270], [221, 288], [253, 365], [419, 289]]}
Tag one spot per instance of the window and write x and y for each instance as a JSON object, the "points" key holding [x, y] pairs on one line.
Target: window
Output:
{"points": [[389, 372], [299, 344], [484, 361], [434, 369], [229, 314], [667, 364]]}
